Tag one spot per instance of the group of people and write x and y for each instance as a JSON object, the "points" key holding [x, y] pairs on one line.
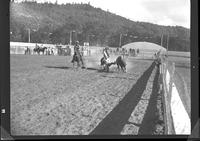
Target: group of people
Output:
{"points": [[126, 52], [45, 50], [49, 51], [133, 51]]}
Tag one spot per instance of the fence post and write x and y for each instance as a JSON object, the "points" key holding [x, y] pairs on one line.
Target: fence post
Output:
{"points": [[167, 99], [171, 81], [15, 52], [172, 131], [164, 98]]}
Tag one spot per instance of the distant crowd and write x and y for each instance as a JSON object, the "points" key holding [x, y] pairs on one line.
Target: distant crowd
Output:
{"points": [[124, 52], [85, 51]]}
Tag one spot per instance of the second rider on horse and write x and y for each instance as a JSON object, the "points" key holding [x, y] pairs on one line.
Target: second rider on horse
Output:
{"points": [[105, 61], [106, 55]]}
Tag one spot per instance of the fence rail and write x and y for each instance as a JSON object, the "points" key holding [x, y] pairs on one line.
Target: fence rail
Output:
{"points": [[177, 120], [20, 48]]}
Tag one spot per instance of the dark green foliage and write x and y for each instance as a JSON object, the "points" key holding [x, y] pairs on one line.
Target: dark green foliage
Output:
{"points": [[91, 25]]}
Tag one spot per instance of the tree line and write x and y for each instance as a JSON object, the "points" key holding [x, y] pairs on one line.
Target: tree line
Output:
{"points": [[54, 23]]}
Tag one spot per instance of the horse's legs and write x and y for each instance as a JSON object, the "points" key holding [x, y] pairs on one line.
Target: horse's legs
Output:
{"points": [[104, 67], [122, 68], [78, 64], [118, 67], [101, 64], [82, 62], [107, 68], [73, 64], [125, 69]]}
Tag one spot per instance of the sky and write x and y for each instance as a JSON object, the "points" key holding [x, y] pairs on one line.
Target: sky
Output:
{"points": [[161, 12]]}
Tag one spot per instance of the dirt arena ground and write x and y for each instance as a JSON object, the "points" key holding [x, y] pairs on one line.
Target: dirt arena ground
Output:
{"points": [[49, 97]]}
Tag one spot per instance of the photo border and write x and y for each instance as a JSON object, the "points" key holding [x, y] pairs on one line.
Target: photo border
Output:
{"points": [[5, 83]]}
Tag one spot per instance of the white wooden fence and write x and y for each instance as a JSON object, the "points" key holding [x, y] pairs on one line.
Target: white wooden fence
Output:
{"points": [[177, 120], [20, 47]]}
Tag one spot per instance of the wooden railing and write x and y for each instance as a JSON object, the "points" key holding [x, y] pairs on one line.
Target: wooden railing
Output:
{"points": [[177, 120]]}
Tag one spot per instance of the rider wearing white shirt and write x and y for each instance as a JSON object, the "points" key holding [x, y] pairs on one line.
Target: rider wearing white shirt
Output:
{"points": [[106, 55]]}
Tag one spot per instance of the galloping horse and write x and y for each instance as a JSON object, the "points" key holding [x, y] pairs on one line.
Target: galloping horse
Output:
{"points": [[39, 49]]}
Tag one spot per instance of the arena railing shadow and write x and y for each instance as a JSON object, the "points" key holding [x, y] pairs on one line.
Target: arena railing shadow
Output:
{"points": [[114, 122]]}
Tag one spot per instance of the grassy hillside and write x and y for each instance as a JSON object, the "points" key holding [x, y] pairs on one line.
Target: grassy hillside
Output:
{"points": [[52, 23]]}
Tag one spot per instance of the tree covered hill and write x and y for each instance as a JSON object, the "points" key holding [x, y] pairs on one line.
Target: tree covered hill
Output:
{"points": [[53, 23]]}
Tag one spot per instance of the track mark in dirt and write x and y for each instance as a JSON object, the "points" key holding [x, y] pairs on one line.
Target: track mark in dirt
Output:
{"points": [[114, 122]]}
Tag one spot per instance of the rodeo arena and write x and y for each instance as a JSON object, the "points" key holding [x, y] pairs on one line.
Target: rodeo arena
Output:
{"points": [[90, 90]]}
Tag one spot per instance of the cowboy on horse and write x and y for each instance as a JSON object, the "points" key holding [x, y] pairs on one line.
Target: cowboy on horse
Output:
{"points": [[39, 49], [77, 57]]}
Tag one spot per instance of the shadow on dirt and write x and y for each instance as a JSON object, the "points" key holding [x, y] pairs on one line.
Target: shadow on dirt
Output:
{"points": [[114, 122], [64, 67], [151, 117], [99, 70], [58, 67], [93, 69]]}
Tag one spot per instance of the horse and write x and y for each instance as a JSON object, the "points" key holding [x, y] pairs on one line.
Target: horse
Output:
{"points": [[77, 58], [120, 62], [39, 49]]}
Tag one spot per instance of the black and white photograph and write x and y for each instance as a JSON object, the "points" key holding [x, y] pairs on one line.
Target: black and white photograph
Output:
{"points": [[100, 67]]}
